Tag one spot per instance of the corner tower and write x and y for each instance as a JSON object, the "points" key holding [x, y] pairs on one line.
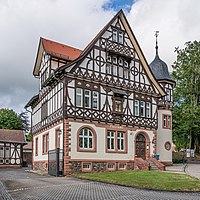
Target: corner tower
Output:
{"points": [[164, 131]]}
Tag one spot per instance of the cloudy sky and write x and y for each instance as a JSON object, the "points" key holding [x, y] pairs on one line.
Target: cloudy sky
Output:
{"points": [[75, 23]]}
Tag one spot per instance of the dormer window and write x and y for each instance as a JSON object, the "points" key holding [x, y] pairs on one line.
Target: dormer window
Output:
{"points": [[118, 36]]}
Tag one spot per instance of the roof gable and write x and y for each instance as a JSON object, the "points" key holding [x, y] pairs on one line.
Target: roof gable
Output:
{"points": [[124, 25], [54, 49]]}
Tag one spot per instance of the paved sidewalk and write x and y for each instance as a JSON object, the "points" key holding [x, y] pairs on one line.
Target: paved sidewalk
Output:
{"points": [[193, 170]]}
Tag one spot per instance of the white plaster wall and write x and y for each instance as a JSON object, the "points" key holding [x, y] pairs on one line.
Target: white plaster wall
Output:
{"points": [[163, 135], [51, 132], [101, 144]]}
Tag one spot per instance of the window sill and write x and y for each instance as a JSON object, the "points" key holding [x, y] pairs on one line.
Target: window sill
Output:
{"points": [[120, 152], [87, 150]]}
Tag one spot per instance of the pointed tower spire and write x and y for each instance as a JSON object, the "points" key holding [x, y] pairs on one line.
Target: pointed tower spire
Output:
{"points": [[156, 34]]}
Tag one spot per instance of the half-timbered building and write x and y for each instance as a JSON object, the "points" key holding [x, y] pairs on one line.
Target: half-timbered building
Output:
{"points": [[104, 107], [11, 147]]}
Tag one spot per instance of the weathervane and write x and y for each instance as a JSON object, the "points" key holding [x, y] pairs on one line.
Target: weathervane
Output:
{"points": [[156, 34]]}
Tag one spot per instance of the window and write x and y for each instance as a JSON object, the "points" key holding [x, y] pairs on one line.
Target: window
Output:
{"points": [[108, 68], [86, 167], [1, 151], [111, 140], [108, 65], [167, 97], [91, 98], [111, 166], [115, 70], [142, 110], [118, 138], [114, 60], [118, 36], [36, 146], [167, 146], [45, 143], [120, 141], [86, 140], [87, 98], [136, 107], [125, 69], [7, 152], [44, 110], [167, 121], [95, 97], [118, 105], [79, 93], [122, 166], [120, 71], [148, 110], [117, 66], [114, 35]]}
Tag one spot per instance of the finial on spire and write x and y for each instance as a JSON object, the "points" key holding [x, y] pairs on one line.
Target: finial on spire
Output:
{"points": [[156, 34]]}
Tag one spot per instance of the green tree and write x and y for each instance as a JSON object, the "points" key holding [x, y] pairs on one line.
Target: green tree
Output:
{"points": [[25, 120], [10, 120], [186, 112]]}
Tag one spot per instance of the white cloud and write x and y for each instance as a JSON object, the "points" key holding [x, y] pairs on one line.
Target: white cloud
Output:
{"points": [[177, 21], [75, 23]]}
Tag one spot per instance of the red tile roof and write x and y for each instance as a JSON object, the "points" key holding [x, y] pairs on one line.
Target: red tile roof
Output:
{"points": [[7, 135], [60, 50]]}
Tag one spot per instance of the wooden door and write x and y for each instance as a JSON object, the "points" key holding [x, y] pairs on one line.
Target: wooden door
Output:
{"points": [[141, 146]]}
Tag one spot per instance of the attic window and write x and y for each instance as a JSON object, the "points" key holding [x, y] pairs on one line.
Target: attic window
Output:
{"points": [[118, 36]]}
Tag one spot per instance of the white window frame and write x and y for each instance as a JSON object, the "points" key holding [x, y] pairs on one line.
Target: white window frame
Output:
{"points": [[121, 71], [86, 137], [95, 97], [142, 107], [110, 139], [167, 97], [136, 107], [114, 36], [125, 69], [108, 68], [148, 109], [120, 141], [1, 151], [108, 65], [120, 37], [87, 96], [114, 70], [79, 93]]}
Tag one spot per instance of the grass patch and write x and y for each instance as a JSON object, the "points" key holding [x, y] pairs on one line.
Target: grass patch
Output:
{"points": [[148, 179]]}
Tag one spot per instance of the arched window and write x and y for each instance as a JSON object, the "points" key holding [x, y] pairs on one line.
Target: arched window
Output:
{"points": [[86, 139]]}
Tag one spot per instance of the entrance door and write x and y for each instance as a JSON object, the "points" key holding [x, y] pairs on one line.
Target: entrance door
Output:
{"points": [[141, 146]]}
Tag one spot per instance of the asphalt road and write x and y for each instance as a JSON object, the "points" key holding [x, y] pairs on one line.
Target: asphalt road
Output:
{"points": [[18, 184]]}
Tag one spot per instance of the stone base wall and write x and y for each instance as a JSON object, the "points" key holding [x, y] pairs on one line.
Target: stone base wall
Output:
{"points": [[40, 165], [98, 166]]}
